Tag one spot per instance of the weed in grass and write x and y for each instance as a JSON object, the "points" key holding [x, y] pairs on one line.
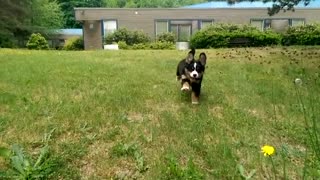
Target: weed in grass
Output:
{"points": [[22, 166], [312, 156], [244, 174], [173, 170], [131, 150], [110, 135]]}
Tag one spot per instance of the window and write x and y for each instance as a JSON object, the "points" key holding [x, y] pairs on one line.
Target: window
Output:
{"points": [[267, 23], [109, 26], [181, 29], [161, 27], [182, 32], [297, 22], [205, 23], [277, 24], [257, 23]]}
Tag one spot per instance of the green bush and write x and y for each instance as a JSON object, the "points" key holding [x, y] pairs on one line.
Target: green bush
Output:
{"points": [[153, 45], [162, 45], [37, 41], [166, 37], [6, 41], [302, 35], [74, 44], [130, 37], [123, 45], [221, 35], [139, 46]]}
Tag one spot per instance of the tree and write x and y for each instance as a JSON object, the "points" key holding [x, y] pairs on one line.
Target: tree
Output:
{"points": [[278, 5], [19, 18], [13, 18], [67, 6], [46, 15]]}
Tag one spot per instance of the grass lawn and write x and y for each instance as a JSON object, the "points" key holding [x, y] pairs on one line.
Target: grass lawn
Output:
{"points": [[121, 115]]}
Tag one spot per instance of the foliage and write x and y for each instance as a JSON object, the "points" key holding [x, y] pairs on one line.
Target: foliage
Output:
{"points": [[302, 35], [74, 44], [129, 37], [23, 167], [13, 20], [123, 45], [162, 45], [46, 14], [221, 35], [67, 6], [166, 37], [20, 18], [37, 41], [278, 5], [153, 45]]}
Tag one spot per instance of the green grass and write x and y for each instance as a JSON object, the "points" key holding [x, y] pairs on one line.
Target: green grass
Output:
{"points": [[120, 114]]}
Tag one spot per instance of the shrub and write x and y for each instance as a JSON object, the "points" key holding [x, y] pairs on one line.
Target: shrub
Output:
{"points": [[130, 37], [37, 41], [220, 35], [74, 44], [166, 37], [6, 41], [123, 45], [302, 35], [162, 45], [140, 46]]}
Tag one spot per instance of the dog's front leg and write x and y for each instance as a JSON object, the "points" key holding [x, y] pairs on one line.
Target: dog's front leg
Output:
{"points": [[195, 95], [185, 83]]}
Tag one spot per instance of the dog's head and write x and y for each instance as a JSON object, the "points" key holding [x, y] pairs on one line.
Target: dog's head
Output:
{"points": [[195, 68]]}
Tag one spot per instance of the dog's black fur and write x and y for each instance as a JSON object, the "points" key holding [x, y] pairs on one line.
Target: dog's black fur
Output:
{"points": [[190, 73]]}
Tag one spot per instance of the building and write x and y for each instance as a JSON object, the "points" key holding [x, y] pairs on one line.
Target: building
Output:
{"points": [[58, 37], [99, 22]]}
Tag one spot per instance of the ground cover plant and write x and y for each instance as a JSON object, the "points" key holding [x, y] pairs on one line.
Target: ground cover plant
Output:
{"points": [[120, 114]]}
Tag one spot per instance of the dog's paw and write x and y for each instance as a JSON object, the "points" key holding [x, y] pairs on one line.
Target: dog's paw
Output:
{"points": [[185, 88], [195, 102]]}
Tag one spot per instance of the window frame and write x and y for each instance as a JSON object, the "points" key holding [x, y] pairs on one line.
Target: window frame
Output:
{"points": [[270, 19], [200, 22], [155, 26], [103, 26]]}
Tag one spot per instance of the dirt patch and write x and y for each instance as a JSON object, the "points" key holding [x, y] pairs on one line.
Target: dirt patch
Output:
{"points": [[217, 111], [90, 163]]}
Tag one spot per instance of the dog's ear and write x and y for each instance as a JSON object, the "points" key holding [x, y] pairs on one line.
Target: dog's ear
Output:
{"points": [[203, 58], [190, 56]]}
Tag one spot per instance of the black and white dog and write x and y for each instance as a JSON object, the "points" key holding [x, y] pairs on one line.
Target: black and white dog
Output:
{"points": [[190, 73]]}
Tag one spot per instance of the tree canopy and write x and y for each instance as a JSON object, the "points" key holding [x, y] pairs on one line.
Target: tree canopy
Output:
{"points": [[278, 5], [19, 18]]}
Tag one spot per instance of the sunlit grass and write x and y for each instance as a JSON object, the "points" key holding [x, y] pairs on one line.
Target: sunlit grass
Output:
{"points": [[120, 114]]}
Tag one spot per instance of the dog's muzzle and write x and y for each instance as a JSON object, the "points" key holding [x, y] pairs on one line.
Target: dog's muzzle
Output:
{"points": [[194, 74]]}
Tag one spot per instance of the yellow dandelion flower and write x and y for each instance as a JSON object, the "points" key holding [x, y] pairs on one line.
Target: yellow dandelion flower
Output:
{"points": [[268, 150]]}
